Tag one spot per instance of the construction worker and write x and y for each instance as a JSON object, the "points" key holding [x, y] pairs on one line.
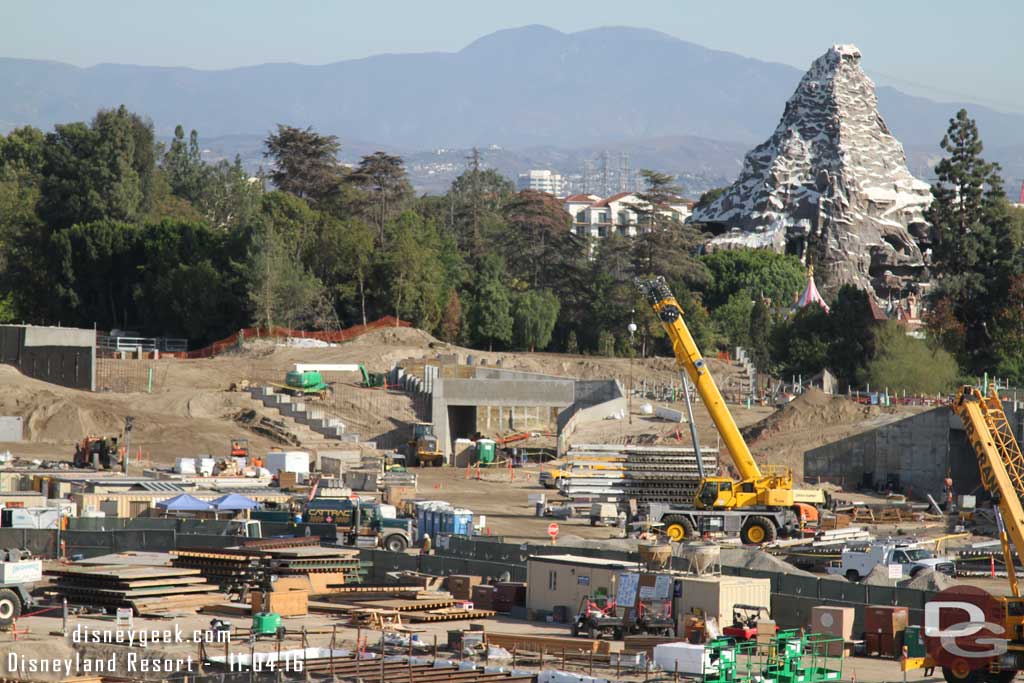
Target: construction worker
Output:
{"points": [[426, 545]]}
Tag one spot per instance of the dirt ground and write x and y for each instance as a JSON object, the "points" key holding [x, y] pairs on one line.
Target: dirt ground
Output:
{"points": [[40, 638]]}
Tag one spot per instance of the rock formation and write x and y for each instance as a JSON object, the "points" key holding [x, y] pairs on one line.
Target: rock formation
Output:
{"points": [[832, 186]]}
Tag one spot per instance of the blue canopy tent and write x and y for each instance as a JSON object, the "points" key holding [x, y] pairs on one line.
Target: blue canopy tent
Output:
{"points": [[234, 502], [184, 503]]}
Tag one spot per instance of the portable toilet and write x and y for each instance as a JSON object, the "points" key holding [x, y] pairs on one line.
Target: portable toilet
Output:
{"points": [[462, 522], [485, 449]]}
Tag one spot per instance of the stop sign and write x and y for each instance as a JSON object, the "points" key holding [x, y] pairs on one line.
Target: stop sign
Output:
{"points": [[552, 529]]}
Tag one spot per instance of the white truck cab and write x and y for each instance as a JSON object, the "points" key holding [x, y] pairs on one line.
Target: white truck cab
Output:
{"points": [[856, 564]]}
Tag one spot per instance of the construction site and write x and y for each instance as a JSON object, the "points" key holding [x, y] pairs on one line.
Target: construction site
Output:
{"points": [[388, 507]]}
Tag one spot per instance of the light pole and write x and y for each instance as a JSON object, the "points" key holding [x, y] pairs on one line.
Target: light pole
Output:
{"points": [[632, 351]]}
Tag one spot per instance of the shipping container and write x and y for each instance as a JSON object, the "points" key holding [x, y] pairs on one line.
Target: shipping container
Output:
{"points": [[483, 597], [509, 594]]}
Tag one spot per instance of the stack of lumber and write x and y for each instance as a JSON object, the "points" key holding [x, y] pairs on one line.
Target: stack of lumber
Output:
{"points": [[547, 644], [254, 566], [146, 590]]}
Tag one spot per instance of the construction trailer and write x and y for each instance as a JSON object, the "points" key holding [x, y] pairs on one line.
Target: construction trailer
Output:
{"points": [[564, 581]]}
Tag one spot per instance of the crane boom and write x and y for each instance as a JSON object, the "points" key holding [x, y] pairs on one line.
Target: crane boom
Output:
{"points": [[689, 359], [999, 462]]}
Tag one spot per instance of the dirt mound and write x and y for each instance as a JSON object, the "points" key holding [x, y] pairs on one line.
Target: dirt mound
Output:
{"points": [[750, 558], [397, 336], [930, 580], [62, 421], [879, 576], [809, 409]]}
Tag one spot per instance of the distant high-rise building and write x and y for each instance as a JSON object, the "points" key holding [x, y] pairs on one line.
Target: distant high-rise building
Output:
{"points": [[541, 180]]}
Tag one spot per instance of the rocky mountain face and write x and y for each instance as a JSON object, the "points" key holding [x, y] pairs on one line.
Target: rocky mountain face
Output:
{"points": [[831, 185]]}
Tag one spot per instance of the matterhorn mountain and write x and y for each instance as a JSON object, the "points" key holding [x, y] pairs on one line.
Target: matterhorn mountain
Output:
{"points": [[831, 185]]}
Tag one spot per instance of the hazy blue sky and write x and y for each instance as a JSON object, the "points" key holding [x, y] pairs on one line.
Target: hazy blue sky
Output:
{"points": [[943, 49]]}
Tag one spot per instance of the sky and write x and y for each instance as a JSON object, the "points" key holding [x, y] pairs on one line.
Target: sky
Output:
{"points": [[941, 49]]}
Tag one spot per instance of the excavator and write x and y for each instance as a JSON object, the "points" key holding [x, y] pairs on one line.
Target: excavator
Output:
{"points": [[759, 506], [1001, 465]]}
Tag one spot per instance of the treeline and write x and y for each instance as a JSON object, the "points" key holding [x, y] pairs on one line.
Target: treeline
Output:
{"points": [[102, 225]]}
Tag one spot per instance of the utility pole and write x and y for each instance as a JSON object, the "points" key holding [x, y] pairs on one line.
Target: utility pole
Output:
{"points": [[632, 352]]}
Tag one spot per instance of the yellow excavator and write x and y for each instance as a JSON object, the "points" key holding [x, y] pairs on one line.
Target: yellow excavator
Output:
{"points": [[1001, 465], [760, 505]]}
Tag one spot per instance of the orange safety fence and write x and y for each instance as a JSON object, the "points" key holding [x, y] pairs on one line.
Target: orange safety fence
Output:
{"points": [[329, 336]]}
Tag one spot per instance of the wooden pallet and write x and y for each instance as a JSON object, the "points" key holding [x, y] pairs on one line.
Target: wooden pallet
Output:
{"points": [[448, 614]]}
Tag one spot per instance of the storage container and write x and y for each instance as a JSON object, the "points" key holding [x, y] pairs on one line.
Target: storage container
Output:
{"points": [[509, 594], [684, 658], [483, 597], [885, 619], [461, 585]]}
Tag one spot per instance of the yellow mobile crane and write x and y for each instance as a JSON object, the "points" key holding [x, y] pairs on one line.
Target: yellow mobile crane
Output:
{"points": [[1001, 465], [759, 505]]}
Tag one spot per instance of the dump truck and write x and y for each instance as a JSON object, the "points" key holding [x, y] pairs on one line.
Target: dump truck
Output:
{"points": [[759, 506]]}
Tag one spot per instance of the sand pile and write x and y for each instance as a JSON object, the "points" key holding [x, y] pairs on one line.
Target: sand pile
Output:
{"points": [[396, 336], [879, 576], [813, 408]]}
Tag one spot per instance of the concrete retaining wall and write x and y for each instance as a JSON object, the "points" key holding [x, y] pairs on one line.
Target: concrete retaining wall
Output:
{"points": [[914, 452], [59, 355]]}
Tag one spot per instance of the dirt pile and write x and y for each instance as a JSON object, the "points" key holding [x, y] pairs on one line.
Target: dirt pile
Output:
{"points": [[813, 408], [879, 576], [751, 558], [930, 580]]}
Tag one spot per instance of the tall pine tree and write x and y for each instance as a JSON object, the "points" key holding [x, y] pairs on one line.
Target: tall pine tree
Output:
{"points": [[974, 249]]}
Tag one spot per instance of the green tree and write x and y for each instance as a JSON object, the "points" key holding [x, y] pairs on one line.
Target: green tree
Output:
{"points": [[760, 334], [708, 198], [571, 345], [733, 319], [102, 171], [800, 345], [412, 273], [491, 314], [342, 255], [534, 316], [183, 164], [281, 291], [384, 180], [974, 245], [762, 272], [304, 162], [852, 339], [476, 199], [96, 266], [907, 364], [229, 199], [666, 246]]}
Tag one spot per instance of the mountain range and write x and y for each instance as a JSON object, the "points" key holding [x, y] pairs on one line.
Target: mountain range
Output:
{"points": [[530, 88]]}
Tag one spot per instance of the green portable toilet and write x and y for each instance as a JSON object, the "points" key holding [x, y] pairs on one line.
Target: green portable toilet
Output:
{"points": [[485, 449]]}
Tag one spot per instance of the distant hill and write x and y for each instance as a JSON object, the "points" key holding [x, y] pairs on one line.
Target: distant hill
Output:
{"points": [[520, 88]]}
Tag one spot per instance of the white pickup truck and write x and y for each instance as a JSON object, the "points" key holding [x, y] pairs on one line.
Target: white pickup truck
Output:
{"points": [[856, 564]]}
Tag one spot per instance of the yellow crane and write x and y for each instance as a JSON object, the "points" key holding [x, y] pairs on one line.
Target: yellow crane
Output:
{"points": [[1001, 465], [760, 504]]}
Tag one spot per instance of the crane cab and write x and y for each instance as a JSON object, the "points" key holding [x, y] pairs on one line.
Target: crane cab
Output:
{"points": [[724, 493]]}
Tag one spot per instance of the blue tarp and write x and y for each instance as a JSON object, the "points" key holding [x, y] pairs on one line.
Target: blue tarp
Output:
{"points": [[184, 503], [234, 501]]}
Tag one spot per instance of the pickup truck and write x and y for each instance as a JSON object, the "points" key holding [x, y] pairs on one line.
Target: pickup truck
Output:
{"points": [[356, 518], [856, 564]]}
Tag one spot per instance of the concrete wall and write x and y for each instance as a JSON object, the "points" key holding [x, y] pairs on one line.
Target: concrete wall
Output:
{"points": [[498, 388], [59, 355], [917, 451], [11, 428]]}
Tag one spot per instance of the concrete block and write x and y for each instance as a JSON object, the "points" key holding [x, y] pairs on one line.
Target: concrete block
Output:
{"points": [[668, 414]]}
